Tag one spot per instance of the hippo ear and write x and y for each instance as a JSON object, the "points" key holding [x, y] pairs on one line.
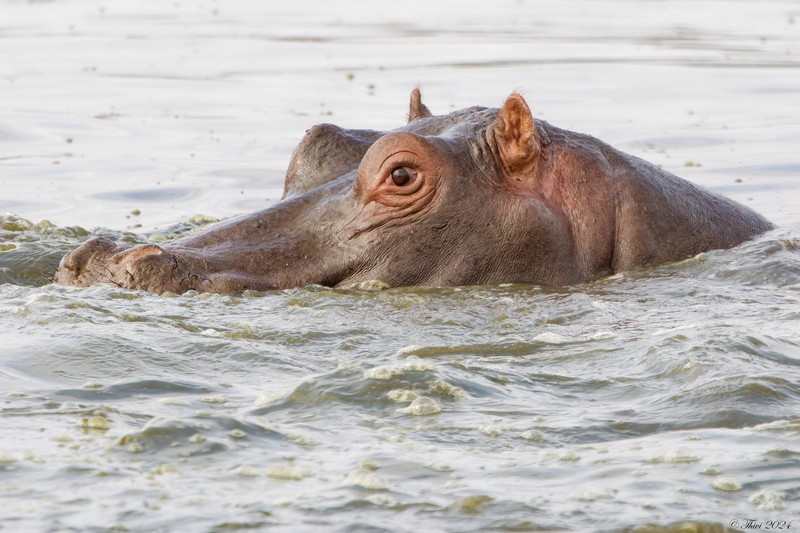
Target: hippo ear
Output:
{"points": [[416, 109], [515, 133]]}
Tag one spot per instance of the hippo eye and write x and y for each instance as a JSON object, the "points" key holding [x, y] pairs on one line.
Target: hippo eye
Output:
{"points": [[402, 176]]}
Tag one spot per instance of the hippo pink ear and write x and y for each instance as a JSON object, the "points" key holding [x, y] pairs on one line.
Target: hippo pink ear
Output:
{"points": [[416, 109], [515, 133]]}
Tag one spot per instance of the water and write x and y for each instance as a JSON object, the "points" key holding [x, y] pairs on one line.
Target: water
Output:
{"points": [[666, 399]]}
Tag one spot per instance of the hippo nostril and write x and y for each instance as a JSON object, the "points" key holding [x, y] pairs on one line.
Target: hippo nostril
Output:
{"points": [[147, 249], [150, 249], [68, 262], [99, 245], [137, 253]]}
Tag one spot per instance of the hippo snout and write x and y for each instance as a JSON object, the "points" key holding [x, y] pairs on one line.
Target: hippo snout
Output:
{"points": [[146, 267], [85, 265]]}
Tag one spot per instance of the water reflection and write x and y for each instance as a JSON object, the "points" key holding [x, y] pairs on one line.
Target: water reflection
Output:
{"points": [[159, 194]]}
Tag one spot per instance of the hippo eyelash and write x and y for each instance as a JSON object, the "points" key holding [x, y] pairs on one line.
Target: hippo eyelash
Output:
{"points": [[413, 165], [400, 163]]}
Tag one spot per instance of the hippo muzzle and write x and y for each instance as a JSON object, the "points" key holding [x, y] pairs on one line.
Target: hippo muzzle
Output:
{"points": [[151, 268], [146, 267]]}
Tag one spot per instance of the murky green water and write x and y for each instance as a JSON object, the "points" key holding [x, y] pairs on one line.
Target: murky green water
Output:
{"points": [[650, 397], [660, 400]]}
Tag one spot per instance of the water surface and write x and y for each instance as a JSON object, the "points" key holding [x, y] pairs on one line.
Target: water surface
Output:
{"points": [[653, 400]]}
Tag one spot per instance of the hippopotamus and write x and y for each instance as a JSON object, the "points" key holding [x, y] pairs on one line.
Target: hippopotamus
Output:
{"points": [[476, 196]]}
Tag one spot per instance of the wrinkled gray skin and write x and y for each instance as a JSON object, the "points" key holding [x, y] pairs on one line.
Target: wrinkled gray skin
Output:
{"points": [[492, 196]]}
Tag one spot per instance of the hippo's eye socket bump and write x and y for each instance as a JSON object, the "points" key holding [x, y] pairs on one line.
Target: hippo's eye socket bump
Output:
{"points": [[402, 176]]}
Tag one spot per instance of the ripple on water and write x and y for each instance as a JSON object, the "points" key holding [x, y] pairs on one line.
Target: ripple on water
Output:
{"points": [[30, 253], [197, 436], [384, 385], [789, 427], [158, 194], [150, 387], [421, 406], [771, 260]]}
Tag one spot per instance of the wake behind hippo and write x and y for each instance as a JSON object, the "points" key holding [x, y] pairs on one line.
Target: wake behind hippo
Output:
{"points": [[480, 195]]}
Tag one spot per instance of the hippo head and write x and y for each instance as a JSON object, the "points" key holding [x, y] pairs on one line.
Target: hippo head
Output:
{"points": [[479, 195], [444, 200]]}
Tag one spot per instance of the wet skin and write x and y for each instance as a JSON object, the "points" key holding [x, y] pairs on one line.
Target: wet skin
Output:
{"points": [[481, 195]]}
